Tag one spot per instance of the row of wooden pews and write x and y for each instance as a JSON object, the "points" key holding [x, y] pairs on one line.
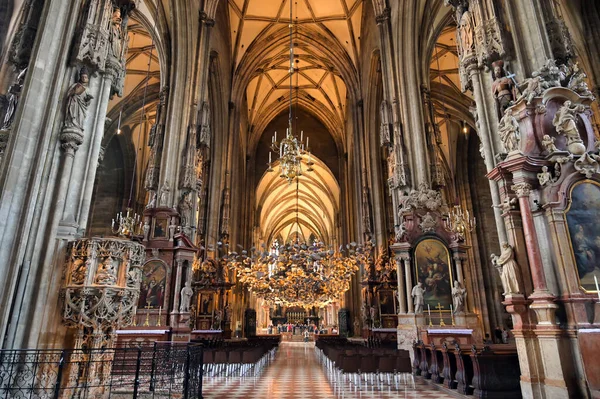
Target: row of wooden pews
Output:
{"points": [[484, 371]]}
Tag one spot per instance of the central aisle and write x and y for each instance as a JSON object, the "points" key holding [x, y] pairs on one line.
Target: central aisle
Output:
{"points": [[296, 373]]}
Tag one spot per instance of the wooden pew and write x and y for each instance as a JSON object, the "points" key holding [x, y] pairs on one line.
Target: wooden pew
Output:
{"points": [[464, 371], [416, 366], [449, 371], [496, 372], [436, 364], [425, 361]]}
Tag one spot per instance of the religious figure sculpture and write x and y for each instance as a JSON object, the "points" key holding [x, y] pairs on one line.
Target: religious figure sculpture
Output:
{"points": [[164, 194], [79, 271], [509, 270], [11, 100], [509, 131], [544, 177], [503, 87], [465, 32], [384, 128], [533, 89], [428, 223], [417, 294], [152, 202], [106, 274], [459, 296], [548, 143], [577, 81], [186, 297], [565, 122], [204, 137], [78, 101], [116, 35]]}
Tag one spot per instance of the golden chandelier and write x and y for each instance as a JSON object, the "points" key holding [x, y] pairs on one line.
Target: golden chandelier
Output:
{"points": [[299, 274], [459, 223]]}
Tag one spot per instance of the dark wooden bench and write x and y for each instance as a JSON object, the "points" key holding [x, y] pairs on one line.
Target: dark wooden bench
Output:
{"points": [[449, 370], [464, 371], [496, 372], [436, 364], [416, 366]]}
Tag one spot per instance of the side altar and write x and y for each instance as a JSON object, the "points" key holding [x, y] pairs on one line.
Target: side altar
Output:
{"points": [[436, 288]]}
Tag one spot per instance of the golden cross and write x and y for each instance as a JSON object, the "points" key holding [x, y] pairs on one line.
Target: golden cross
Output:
{"points": [[440, 307]]}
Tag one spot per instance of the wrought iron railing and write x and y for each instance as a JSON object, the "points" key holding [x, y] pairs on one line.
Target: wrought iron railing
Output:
{"points": [[165, 370]]}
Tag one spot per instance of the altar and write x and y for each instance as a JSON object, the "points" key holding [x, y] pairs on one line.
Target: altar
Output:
{"points": [[448, 335]]}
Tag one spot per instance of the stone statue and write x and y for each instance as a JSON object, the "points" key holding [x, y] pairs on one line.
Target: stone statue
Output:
{"points": [[186, 297], [401, 231], [384, 128], [533, 89], [428, 223], [106, 274], [11, 101], [577, 81], [204, 137], [459, 296], [509, 270], [545, 177], [502, 87], [417, 294], [509, 131], [152, 202], [465, 33], [78, 101], [164, 194], [548, 144], [116, 35], [565, 122]]}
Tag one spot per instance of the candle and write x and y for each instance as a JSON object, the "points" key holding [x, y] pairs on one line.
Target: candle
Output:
{"points": [[450, 308], [307, 142], [269, 157], [275, 137], [597, 289], [302, 135], [428, 310]]}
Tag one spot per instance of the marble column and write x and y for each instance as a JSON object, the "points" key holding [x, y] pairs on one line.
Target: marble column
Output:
{"points": [[177, 289], [401, 288], [409, 283]]}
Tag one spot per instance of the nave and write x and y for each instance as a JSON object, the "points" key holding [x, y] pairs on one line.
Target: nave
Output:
{"points": [[297, 373]]}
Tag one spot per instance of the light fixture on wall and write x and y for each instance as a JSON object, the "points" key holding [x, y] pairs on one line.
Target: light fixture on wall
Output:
{"points": [[290, 149], [459, 223], [465, 127]]}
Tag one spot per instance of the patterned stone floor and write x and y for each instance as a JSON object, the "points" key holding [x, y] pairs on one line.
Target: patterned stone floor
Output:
{"points": [[296, 373]]}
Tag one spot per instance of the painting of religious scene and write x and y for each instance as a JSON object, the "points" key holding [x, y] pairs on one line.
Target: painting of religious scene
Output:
{"points": [[584, 231], [206, 303], [432, 264], [387, 303], [152, 291], [160, 228]]}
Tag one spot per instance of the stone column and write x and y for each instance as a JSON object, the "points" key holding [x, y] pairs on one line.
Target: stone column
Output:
{"points": [[409, 283], [177, 289], [401, 287]]}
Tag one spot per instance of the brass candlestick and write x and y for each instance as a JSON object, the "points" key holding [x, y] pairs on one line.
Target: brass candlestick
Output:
{"points": [[159, 315], [147, 322]]}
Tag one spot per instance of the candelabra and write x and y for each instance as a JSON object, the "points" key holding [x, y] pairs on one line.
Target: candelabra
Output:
{"points": [[291, 151], [459, 223], [128, 225]]}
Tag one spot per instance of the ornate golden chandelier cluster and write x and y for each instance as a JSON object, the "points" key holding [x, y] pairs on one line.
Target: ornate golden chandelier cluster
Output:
{"points": [[299, 274], [291, 151]]}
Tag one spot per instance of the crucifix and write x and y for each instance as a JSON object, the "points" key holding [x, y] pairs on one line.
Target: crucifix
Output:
{"points": [[147, 322], [440, 307]]}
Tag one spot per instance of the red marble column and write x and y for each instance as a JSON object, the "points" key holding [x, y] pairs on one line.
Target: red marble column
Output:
{"points": [[533, 249]]}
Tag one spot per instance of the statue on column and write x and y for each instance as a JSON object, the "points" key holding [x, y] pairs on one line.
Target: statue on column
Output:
{"points": [[509, 270], [417, 294], [11, 100], [503, 87], [465, 32], [509, 131], [565, 122], [186, 297], [116, 34], [459, 296], [164, 194], [78, 101]]}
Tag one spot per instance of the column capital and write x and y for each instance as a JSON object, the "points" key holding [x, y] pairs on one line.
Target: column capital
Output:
{"points": [[521, 189], [383, 16]]}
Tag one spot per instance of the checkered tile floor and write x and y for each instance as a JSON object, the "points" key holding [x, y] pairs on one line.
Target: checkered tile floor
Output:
{"points": [[296, 373]]}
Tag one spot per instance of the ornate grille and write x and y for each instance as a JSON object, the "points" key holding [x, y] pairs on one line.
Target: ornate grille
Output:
{"points": [[167, 370]]}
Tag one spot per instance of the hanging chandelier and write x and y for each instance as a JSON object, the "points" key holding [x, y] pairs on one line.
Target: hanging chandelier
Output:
{"points": [[299, 274], [290, 149], [459, 223]]}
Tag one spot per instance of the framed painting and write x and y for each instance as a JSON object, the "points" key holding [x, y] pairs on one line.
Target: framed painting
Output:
{"points": [[206, 303], [433, 269], [160, 228], [584, 231], [387, 303], [152, 290]]}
